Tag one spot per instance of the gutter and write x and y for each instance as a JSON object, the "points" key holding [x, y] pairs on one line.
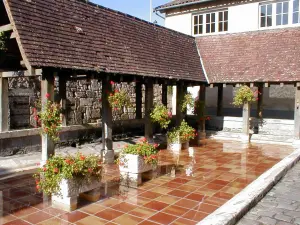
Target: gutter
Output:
{"points": [[177, 6]]}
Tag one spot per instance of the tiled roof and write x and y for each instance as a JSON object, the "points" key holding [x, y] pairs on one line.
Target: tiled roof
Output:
{"points": [[261, 56], [74, 34], [178, 3]]}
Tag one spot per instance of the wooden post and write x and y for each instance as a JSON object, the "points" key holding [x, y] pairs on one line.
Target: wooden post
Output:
{"points": [[148, 108], [4, 123], [138, 100], [220, 101], [259, 111], [180, 92], [47, 89], [164, 97], [63, 99], [201, 126], [297, 114], [107, 142]]}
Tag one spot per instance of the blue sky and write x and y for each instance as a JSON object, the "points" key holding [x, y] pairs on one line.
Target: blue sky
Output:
{"points": [[138, 8]]}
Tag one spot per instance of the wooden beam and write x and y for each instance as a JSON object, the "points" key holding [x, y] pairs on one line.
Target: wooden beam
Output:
{"points": [[298, 84], [22, 73], [224, 85], [267, 85], [4, 28], [251, 85], [281, 84], [211, 86], [13, 35]]}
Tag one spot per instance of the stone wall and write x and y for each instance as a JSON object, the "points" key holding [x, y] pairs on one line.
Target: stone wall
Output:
{"points": [[83, 100]]}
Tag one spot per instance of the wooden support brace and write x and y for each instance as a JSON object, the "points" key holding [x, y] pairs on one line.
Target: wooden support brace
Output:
{"points": [[4, 28]]}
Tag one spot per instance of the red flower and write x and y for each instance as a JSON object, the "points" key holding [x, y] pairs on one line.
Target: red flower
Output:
{"points": [[38, 164], [112, 83], [207, 118], [47, 95], [38, 187], [115, 109], [155, 145], [55, 170], [90, 170], [44, 169], [82, 157], [144, 140], [111, 94], [37, 182], [100, 100], [170, 114], [116, 91], [36, 118]]}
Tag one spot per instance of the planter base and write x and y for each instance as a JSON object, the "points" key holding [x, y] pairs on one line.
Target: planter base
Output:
{"points": [[185, 145], [135, 179], [70, 191]]}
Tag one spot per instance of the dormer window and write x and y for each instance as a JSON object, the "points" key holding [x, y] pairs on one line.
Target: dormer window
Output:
{"points": [[213, 22]]}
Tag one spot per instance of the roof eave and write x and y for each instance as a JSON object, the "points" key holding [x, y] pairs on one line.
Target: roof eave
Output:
{"points": [[181, 5]]}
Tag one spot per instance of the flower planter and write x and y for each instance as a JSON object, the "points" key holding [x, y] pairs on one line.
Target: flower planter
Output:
{"points": [[131, 169], [186, 145], [72, 189], [175, 147]]}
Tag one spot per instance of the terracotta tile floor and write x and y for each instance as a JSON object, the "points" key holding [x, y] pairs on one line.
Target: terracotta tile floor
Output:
{"points": [[190, 186]]}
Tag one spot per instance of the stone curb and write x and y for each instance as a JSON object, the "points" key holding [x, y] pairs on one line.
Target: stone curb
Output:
{"points": [[232, 211]]}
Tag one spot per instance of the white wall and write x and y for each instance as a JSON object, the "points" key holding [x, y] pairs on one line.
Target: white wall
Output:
{"points": [[180, 22], [243, 18]]}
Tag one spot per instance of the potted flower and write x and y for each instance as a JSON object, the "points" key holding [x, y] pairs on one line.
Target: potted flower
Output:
{"points": [[174, 141], [136, 159], [161, 115], [66, 177], [186, 134]]}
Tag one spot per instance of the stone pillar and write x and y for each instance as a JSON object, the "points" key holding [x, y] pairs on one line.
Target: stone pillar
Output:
{"points": [[246, 122], [4, 104], [180, 92], [63, 99], [220, 101], [259, 111], [138, 100], [107, 142], [297, 114], [164, 97], [47, 88], [148, 108], [201, 126]]}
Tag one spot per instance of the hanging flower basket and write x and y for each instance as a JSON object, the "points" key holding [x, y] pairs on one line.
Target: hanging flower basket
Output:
{"points": [[188, 101], [245, 95], [161, 115], [119, 100]]}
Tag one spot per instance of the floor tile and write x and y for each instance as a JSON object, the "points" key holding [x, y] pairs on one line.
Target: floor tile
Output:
{"points": [[109, 214], [186, 203], [195, 215], [54, 221], [182, 221], [124, 207], [37, 217], [142, 212], [73, 216], [17, 222], [163, 218], [150, 195], [127, 219], [178, 193], [168, 199], [91, 220], [207, 208], [175, 210], [155, 205]]}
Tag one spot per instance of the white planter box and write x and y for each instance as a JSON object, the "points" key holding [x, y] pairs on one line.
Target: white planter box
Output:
{"points": [[175, 147], [133, 164], [71, 189]]}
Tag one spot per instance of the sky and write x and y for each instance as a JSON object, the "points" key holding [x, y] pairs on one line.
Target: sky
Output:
{"points": [[137, 8]]}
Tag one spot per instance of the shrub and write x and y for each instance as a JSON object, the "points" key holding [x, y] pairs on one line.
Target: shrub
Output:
{"points": [[174, 135], [244, 95], [188, 101]]}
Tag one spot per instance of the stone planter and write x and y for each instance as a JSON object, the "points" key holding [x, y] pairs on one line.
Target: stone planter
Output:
{"points": [[186, 145], [72, 189], [131, 169]]}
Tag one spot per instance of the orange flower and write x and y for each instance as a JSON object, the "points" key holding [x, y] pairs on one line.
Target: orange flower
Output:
{"points": [[55, 170], [82, 157], [44, 169]]}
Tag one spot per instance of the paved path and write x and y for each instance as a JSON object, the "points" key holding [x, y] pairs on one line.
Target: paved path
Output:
{"points": [[281, 206]]}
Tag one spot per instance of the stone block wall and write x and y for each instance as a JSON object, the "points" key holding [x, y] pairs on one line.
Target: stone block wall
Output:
{"points": [[83, 100]]}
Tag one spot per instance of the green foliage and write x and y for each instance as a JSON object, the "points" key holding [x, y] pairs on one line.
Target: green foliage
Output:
{"points": [[199, 109], [148, 151], [188, 101], [119, 100], [161, 115], [49, 119], [186, 132], [244, 95], [4, 37], [57, 168], [174, 135], [170, 90]]}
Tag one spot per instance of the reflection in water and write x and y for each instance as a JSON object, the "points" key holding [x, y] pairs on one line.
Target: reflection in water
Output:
{"points": [[189, 185]]}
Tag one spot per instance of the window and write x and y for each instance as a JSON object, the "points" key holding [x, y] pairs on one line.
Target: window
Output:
{"points": [[223, 21], [296, 12], [266, 15], [282, 13], [279, 13], [210, 22]]}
